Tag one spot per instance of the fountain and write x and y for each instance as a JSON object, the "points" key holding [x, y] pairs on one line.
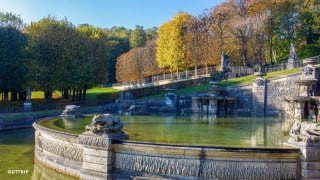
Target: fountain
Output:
{"points": [[71, 111], [103, 150], [213, 102], [302, 111], [305, 104]]}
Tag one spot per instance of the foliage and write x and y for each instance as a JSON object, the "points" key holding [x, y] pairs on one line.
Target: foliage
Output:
{"points": [[56, 50], [138, 37], [138, 63], [170, 43], [12, 62]]}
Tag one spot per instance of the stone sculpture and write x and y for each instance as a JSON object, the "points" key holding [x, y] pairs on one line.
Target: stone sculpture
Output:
{"points": [[71, 111], [306, 132], [293, 54], [104, 123]]}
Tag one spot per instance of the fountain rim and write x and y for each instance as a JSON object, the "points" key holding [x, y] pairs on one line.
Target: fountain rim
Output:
{"points": [[36, 126]]}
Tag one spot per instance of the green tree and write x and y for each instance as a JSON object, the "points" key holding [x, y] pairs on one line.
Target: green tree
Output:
{"points": [[9, 19], [12, 66], [118, 41], [12, 60], [61, 57], [137, 37]]}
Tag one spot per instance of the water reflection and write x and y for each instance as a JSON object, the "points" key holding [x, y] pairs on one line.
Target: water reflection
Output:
{"points": [[206, 130], [195, 129], [42, 172]]}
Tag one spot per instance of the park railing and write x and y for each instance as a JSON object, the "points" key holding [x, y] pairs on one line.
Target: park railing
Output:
{"points": [[166, 78], [236, 71]]}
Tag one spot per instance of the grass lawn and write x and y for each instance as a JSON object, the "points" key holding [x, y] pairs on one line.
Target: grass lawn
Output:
{"points": [[249, 79], [230, 82], [91, 93]]}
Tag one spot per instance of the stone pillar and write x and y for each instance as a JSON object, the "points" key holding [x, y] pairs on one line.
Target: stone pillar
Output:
{"points": [[213, 105], [259, 95], [98, 154], [97, 157], [196, 104], [298, 111], [318, 109], [205, 105], [171, 101], [310, 162]]}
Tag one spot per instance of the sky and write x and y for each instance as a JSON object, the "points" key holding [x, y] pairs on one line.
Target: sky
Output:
{"points": [[106, 13]]}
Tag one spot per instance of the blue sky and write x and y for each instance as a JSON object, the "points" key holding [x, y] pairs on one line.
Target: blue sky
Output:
{"points": [[106, 13]]}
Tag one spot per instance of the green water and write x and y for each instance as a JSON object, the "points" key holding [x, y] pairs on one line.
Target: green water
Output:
{"points": [[17, 158], [191, 129]]}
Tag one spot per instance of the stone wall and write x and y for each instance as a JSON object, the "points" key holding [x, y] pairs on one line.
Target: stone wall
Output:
{"points": [[58, 150], [149, 91], [251, 101], [243, 96], [170, 161], [276, 88], [18, 123]]}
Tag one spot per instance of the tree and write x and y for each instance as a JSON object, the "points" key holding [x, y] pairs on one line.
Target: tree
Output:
{"points": [[61, 58], [170, 44], [12, 60], [118, 41], [221, 16], [137, 37], [11, 20], [12, 66]]}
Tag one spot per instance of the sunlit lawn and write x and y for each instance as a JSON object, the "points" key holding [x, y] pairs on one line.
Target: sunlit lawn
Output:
{"points": [[91, 93], [249, 79]]}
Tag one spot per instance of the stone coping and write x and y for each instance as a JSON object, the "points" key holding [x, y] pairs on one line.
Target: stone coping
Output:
{"points": [[217, 148], [64, 134]]}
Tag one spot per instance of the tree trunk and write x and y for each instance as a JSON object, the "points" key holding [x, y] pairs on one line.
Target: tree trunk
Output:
{"points": [[73, 94], [79, 94], [22, 96], [5, 95], [66, 94], [14, 95], [48, 95], [84, 95]]}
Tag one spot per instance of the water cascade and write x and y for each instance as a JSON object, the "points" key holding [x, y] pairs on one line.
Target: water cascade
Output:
{"points": [[213, 102]]}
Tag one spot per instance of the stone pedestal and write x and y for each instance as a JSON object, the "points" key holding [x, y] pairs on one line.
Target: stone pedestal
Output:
{"points": [[259, 95], [97, 155], [292, 63], [27, 106], [310, 163]]}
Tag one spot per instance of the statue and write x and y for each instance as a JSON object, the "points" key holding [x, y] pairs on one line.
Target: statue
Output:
{"points": [[225, 61], [306, 132], [104, 123], [71, 111], [28, 94], [293, 54]]}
